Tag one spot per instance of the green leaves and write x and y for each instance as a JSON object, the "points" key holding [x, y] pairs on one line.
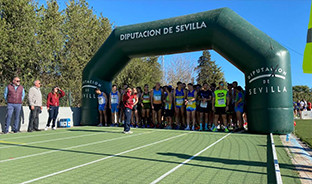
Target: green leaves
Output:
{"points": [[46, 43], [208, 71]]}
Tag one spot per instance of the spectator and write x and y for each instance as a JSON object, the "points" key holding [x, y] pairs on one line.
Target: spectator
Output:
{"points": [[114, 104], [14, 95], [53, 102], [35, 105], [309, 106]]}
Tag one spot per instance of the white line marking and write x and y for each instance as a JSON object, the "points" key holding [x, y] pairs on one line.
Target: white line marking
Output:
{"points": [[50, 140], [186, 161], [266, 75], [72, 147], [276, 165], [105, 158], [23, 137], [42, 134], [88, 86]]}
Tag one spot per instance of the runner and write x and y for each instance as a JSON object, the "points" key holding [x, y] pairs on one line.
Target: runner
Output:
{"points": [[139, 107], [135, 115], [156, 104], [220, 104], [179, 97], [102, 99], [205, 97], [190, 103], [230, 117], [114, 97], [146, 106], [168, 101], [239, 107]]}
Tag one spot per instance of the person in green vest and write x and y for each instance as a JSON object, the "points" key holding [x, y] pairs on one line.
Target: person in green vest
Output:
{"points": [[220, 104]]}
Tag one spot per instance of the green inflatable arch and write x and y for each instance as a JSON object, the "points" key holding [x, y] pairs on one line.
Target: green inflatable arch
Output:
{"points": [[265, 63]]}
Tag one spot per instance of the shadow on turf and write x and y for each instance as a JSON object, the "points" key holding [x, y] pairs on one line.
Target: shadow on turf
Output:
{"points": [[182, 156], [86, 130]]}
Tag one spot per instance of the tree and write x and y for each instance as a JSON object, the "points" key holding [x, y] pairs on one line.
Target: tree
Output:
{"points": [[140, 71], [302, 92], [50, 42], [179, 69], [208, 70], [18, 41], [84, 33]]}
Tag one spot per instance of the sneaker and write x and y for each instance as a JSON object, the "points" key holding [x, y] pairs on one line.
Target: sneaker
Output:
{"points": [[129, 132], [100, 125], [46, 128], [215, 129], [106, 124], [206, 128], [226, 129], [193, 128], [212, 127], [187, 128], [54, 128]]}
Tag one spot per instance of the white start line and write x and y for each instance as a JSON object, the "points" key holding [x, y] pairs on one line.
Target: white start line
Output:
{"points": [[105, 158], [186, 161]]}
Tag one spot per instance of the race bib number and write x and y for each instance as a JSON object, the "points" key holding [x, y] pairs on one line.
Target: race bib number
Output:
{"points": [[101, 100], [167, 106], [157, 98], [221, 102], [203, 104], [114, 101], [179, 101], [190, 103]]}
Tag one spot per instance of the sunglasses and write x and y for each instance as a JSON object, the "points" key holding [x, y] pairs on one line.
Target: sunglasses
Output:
{"points": [[17, 81]]}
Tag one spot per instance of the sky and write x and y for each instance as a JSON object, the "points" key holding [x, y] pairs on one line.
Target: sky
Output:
{"points": [[286, 21]]}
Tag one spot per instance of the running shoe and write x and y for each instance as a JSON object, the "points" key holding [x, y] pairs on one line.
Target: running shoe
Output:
{"points": [[187, 128], [226, 129], [215, 129], [100, 125], [54, 128], [46, 128], [193, 128]]}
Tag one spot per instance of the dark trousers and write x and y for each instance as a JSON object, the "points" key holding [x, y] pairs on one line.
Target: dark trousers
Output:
{"points": [[34, 119], [16, 109], [53, 112], [127, 119]]}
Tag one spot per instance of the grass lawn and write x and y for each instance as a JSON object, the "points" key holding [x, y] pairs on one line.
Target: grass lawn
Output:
{"points": [[303, 130], [105, 155]]}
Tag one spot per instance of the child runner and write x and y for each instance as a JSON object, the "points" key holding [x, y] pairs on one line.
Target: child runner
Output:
{"points": [[156, 103], [190, 103], [239, 106], [102, 99], [146, 106], [179, 97], [135, 114], [205, 97], [114, 97], [168, 107]]}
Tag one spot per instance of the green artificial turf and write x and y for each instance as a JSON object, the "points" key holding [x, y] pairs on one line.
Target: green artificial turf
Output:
{"points": [[303, 130], [141, 157]]}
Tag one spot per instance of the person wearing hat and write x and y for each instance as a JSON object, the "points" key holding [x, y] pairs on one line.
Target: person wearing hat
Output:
{"points": [[53, 102]]}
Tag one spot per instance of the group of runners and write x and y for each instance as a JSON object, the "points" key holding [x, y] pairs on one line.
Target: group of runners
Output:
{"points": [[188, 107]]}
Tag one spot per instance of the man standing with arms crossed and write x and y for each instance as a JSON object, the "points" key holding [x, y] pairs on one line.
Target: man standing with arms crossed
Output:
{"points": [[35, 105], [14, 94]]}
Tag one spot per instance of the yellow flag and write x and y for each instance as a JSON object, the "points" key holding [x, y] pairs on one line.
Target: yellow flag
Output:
{"points": [[307, 58]]}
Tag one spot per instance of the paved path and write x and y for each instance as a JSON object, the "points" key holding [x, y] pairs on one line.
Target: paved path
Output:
{"points": [[301, 157]]}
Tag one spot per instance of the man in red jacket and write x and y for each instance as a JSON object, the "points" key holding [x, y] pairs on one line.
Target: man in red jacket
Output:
{"points": [[127, 100]]}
